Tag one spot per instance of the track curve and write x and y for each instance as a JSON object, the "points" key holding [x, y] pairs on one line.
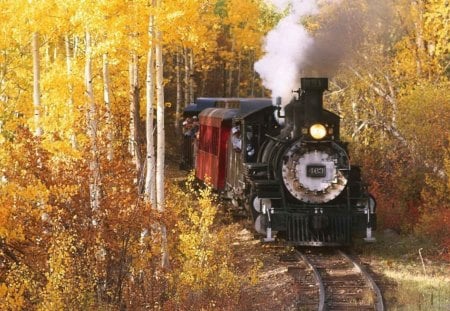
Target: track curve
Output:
{"points": [[340, 282]]}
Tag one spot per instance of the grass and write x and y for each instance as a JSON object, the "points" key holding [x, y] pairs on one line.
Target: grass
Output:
{"points": [[418, 292], [407, 282]]}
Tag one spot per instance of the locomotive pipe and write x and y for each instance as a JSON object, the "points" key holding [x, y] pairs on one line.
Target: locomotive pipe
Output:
{"points": [[278, 105]]}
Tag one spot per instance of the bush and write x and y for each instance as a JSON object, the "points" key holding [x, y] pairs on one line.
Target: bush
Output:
{"points": [[203, 275]]}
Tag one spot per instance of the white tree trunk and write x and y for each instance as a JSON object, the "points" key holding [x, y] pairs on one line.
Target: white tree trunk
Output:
{"points": [[230, 72], [238, 82], [252, 63], [108, 113], [160, 144], [150, 189], [160, 133], [191, 76], [75, 46], [186, 77], [131, 144], [94, 186], [135, 141], [36, 86], [70, 101], [420, 42], [179, 99], [204, 81], [389, 97]]}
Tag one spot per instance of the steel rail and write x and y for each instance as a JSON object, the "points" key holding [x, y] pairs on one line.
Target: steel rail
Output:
{"points": [[318, 278], [379, 304]]}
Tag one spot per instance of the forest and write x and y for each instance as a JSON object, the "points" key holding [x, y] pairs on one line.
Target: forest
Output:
{"points": [[92, 92]]}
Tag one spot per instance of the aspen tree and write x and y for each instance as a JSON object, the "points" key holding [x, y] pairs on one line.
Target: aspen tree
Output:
{"points": [[149, 189], [160, 122], [253, 75], [187, 74], [135, 135], [230, 72], [160, 139], [418, 8], [70, 101], [36, 87], [94, 166], [108, 113], [238, 78], [191, 76], [244, 38], [178, 82]]}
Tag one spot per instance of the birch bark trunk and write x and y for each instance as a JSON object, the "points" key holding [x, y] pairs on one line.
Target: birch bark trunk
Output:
{"points": [[420, 42], [94, 186], [238, 82], [135, 136], [160, 198], [252, 62], [230, 73], [70, 101], [229, 80], [160, 133], [36, 85], [150, 187], [186, 77], [191, 77], [108, 113], [179, 99]]}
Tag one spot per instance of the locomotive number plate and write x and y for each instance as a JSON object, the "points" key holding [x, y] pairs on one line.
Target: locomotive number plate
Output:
{"points": [[316, 171]]}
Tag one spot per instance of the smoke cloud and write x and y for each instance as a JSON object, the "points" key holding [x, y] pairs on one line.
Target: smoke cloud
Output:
{"points": [[291, 52], [285, 49]]}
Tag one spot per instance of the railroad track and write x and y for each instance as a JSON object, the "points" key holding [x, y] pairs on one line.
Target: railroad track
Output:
{"points": [[329, 279]]}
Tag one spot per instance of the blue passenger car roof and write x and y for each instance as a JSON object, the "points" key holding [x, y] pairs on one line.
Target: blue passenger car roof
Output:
{"points": [[244, 105], [251, 105], [219, 113]]}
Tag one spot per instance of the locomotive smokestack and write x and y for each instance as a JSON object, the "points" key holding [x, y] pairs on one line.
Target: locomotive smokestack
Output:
{"points": [[308, 109], [312, 97]]}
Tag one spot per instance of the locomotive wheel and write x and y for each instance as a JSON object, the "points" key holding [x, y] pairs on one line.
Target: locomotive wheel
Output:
{"points": [[258, 219], [249, 206]]}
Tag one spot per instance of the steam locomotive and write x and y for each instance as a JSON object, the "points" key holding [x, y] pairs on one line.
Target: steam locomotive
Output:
{"points": [[294, 178]]}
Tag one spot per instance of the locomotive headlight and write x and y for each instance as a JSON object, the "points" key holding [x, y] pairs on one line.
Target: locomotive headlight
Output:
{"points": [[317, 131]]}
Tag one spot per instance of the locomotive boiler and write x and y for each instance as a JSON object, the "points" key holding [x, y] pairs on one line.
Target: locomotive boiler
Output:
{"points": [[295, 179]]}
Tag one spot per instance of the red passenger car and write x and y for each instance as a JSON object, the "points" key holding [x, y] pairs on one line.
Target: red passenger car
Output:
{"points": [[215, 128]]}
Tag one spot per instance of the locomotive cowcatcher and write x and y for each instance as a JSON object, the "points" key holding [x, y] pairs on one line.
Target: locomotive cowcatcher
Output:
{"points": [[288, 169]]}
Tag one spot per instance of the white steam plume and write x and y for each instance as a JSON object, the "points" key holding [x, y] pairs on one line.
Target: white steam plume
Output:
{"points": [[286, 47], [290, 51]]}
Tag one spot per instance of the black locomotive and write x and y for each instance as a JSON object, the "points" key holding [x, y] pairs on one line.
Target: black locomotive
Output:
{"points": [[295, 179]]}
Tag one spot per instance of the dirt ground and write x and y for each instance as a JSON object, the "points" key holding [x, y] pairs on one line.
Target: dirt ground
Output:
{"points": [[275, 288], [272, 288]]}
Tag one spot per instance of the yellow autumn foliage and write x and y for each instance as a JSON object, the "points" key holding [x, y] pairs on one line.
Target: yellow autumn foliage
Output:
{"points": [[20, 290], [69, 280], [56, 253], [204, 271]]}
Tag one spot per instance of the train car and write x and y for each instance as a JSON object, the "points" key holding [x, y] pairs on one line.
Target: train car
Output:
{"points": [[189, 141], [214, 156], [293, 177]]}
